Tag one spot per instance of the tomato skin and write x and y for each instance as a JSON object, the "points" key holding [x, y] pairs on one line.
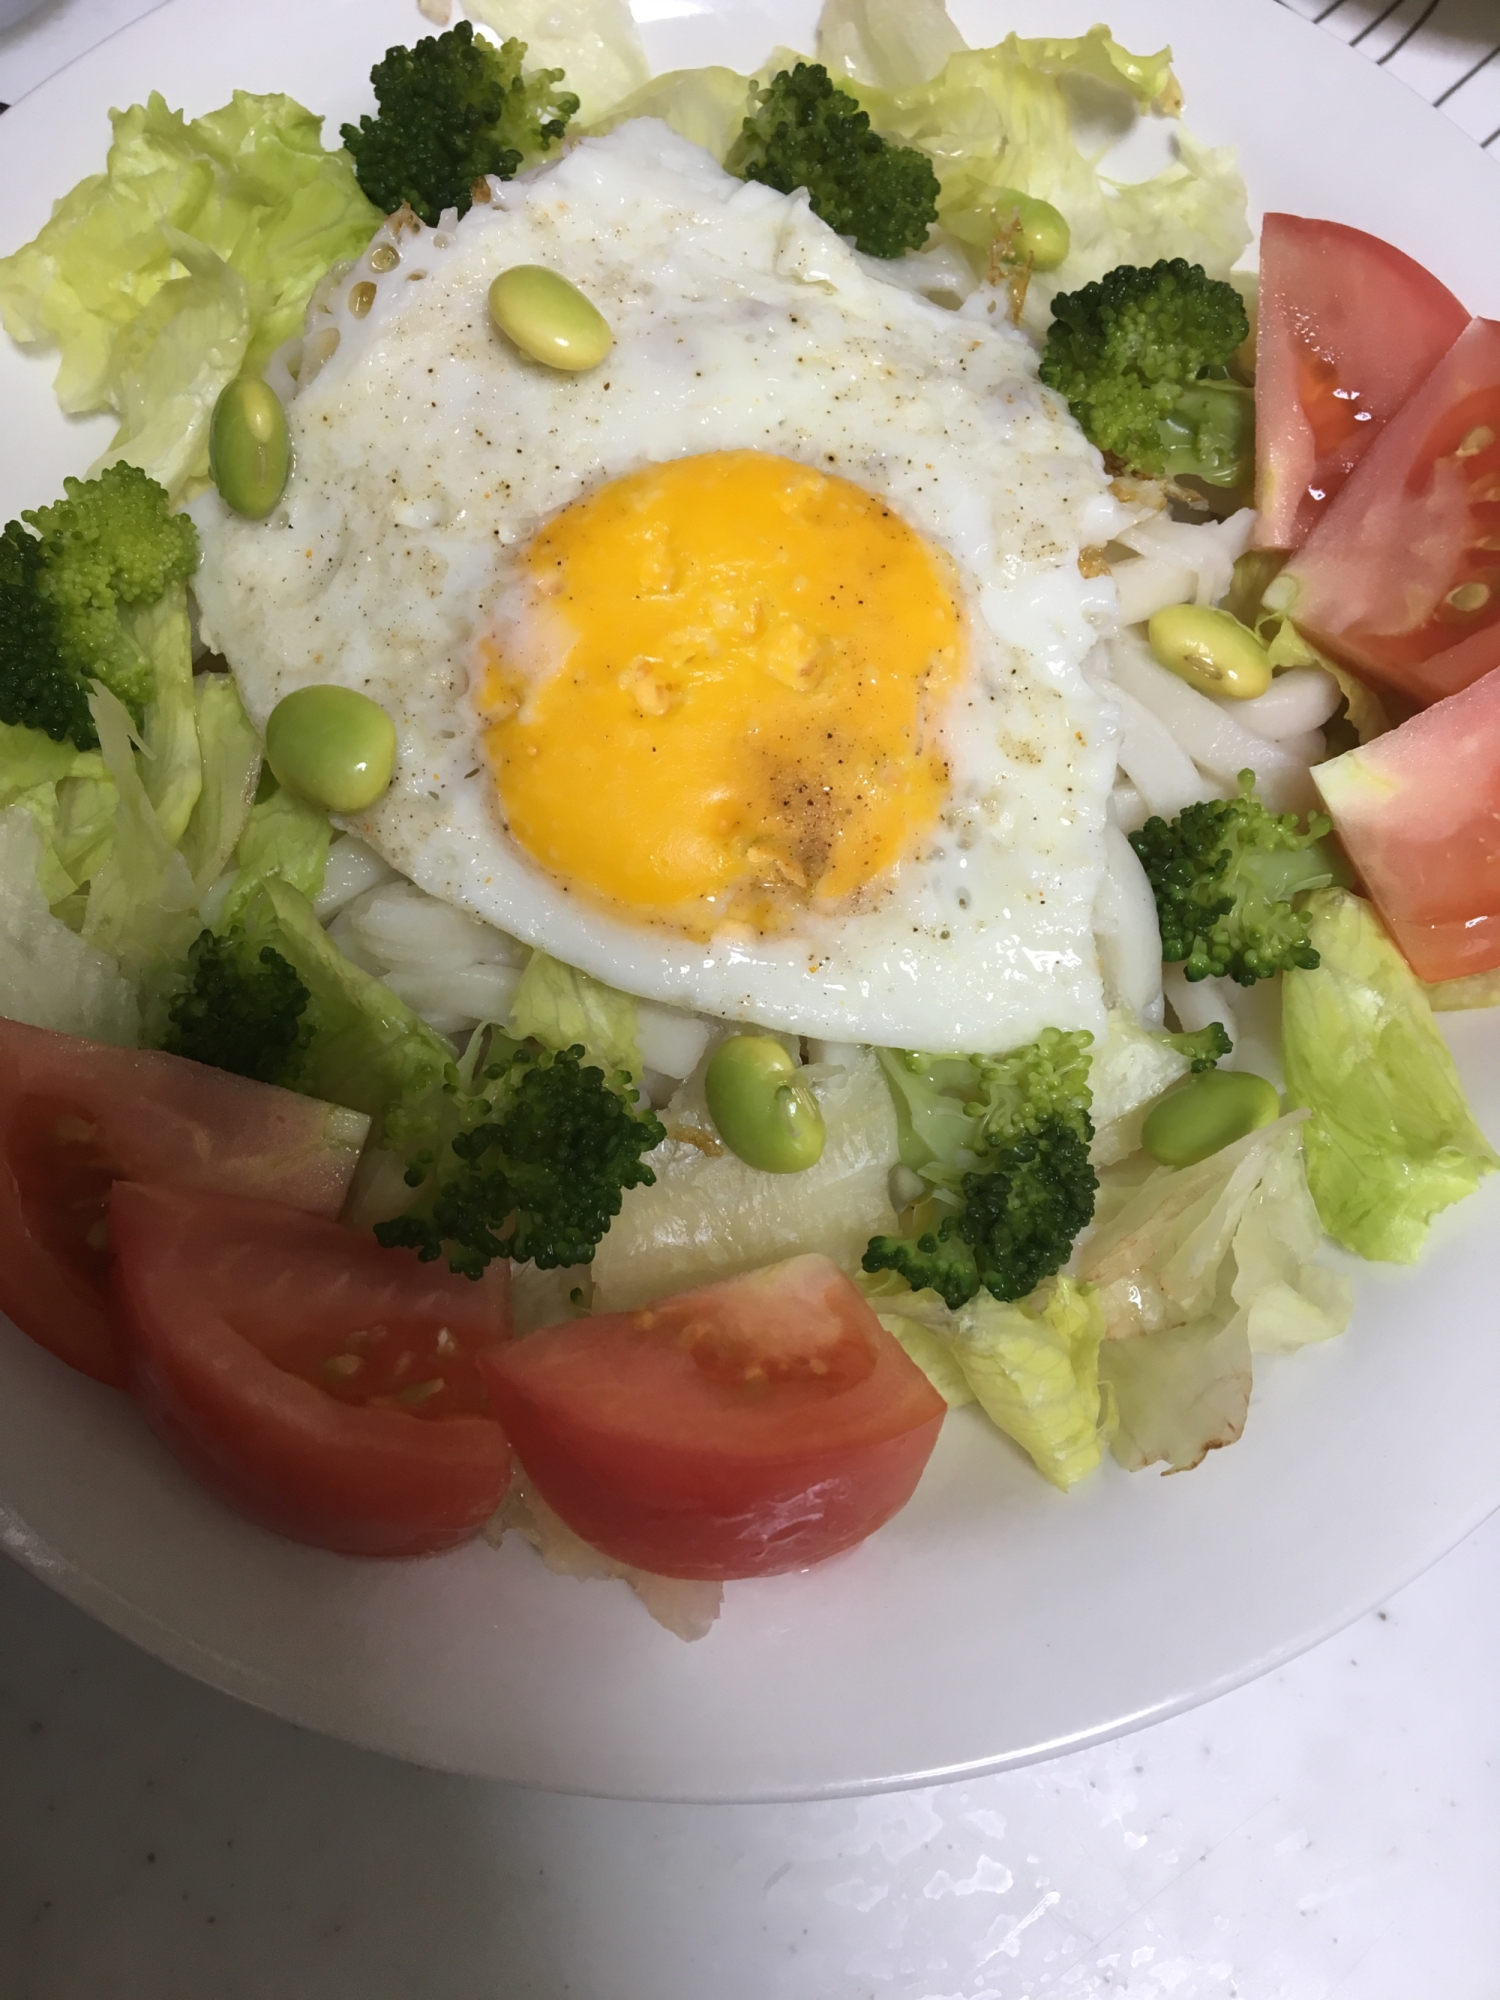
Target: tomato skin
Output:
{"points": [[212, 1293], [1348, 327], [76, 1115], [1402, 577], [753, 1426], [1419, 812]]}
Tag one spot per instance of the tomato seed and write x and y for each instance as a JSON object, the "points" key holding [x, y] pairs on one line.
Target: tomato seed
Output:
{"points": [[1479, 439], [421, 1392], [1469, 597]]}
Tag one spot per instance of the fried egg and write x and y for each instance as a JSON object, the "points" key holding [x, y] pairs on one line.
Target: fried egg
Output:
{"points": [[748, 671]]}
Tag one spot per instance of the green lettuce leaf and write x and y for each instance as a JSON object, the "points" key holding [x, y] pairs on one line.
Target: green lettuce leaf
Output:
{"points": [[1391, 1141], [1034, 1370], [705, 106], [562, 1008], [169, 366], [1178, 1394], [1287, 1297], [48, 874], [1000, 119], [595, 43], [891, 44], [1032, 1366], [29, 758], [1198, 1269], [1161, 1260], [48, 976], [285, 840], [191, 257]]}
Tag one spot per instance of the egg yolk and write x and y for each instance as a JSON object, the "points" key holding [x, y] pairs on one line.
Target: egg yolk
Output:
{"points": [[716, 699]]}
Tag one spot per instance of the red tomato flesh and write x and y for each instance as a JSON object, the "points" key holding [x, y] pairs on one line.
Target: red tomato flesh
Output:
{"points": [[1419, 812], [1347, 329], [322, 1385], [1402, 577], [753, 1426], [76, 1116]]}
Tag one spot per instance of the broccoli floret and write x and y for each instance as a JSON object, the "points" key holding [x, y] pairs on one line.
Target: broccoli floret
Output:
{"points": [[1224, 873], [1140, 356], [807, 133], [452, 110], [525, 1157], [1203, 1047], [71, 579], [241, 1010], [547, 1147], [1003, 1145]]}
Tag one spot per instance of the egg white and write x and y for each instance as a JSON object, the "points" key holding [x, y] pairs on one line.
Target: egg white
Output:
{"points": [[427, 453]]}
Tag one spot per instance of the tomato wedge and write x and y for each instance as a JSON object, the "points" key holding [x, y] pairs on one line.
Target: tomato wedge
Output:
{"points": [[1402, 577], [753, 1426], [76, 1116], [1347, 329], [323, 1386], [1419, 812]]}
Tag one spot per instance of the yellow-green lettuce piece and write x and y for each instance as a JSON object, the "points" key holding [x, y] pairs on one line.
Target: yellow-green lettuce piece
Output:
{"points": [[1391, 1141]]}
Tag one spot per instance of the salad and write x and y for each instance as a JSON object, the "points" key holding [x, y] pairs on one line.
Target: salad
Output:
{"points": [[684, 1293]]}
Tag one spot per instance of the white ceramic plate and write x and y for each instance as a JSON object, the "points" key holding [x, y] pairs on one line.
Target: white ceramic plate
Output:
{"points": [[995, 1621]]}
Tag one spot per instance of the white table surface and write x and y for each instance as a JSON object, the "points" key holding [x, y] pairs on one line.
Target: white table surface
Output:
{"points": [[1333, 1829]]}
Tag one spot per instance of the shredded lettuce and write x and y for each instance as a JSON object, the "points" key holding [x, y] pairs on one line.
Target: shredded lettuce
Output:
{"points": [[70, 797], [189, 259], [172, 769], [1391, 1141], [48, 976], [142, 906], [563, 1008], [230, 758]]}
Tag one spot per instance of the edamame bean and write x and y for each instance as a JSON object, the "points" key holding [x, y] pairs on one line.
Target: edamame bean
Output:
{"points": [[1035, 228], [764, 1115], [549, 319], [249, 452], [1207, 1113], [331, 745], [1211, 651]]}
